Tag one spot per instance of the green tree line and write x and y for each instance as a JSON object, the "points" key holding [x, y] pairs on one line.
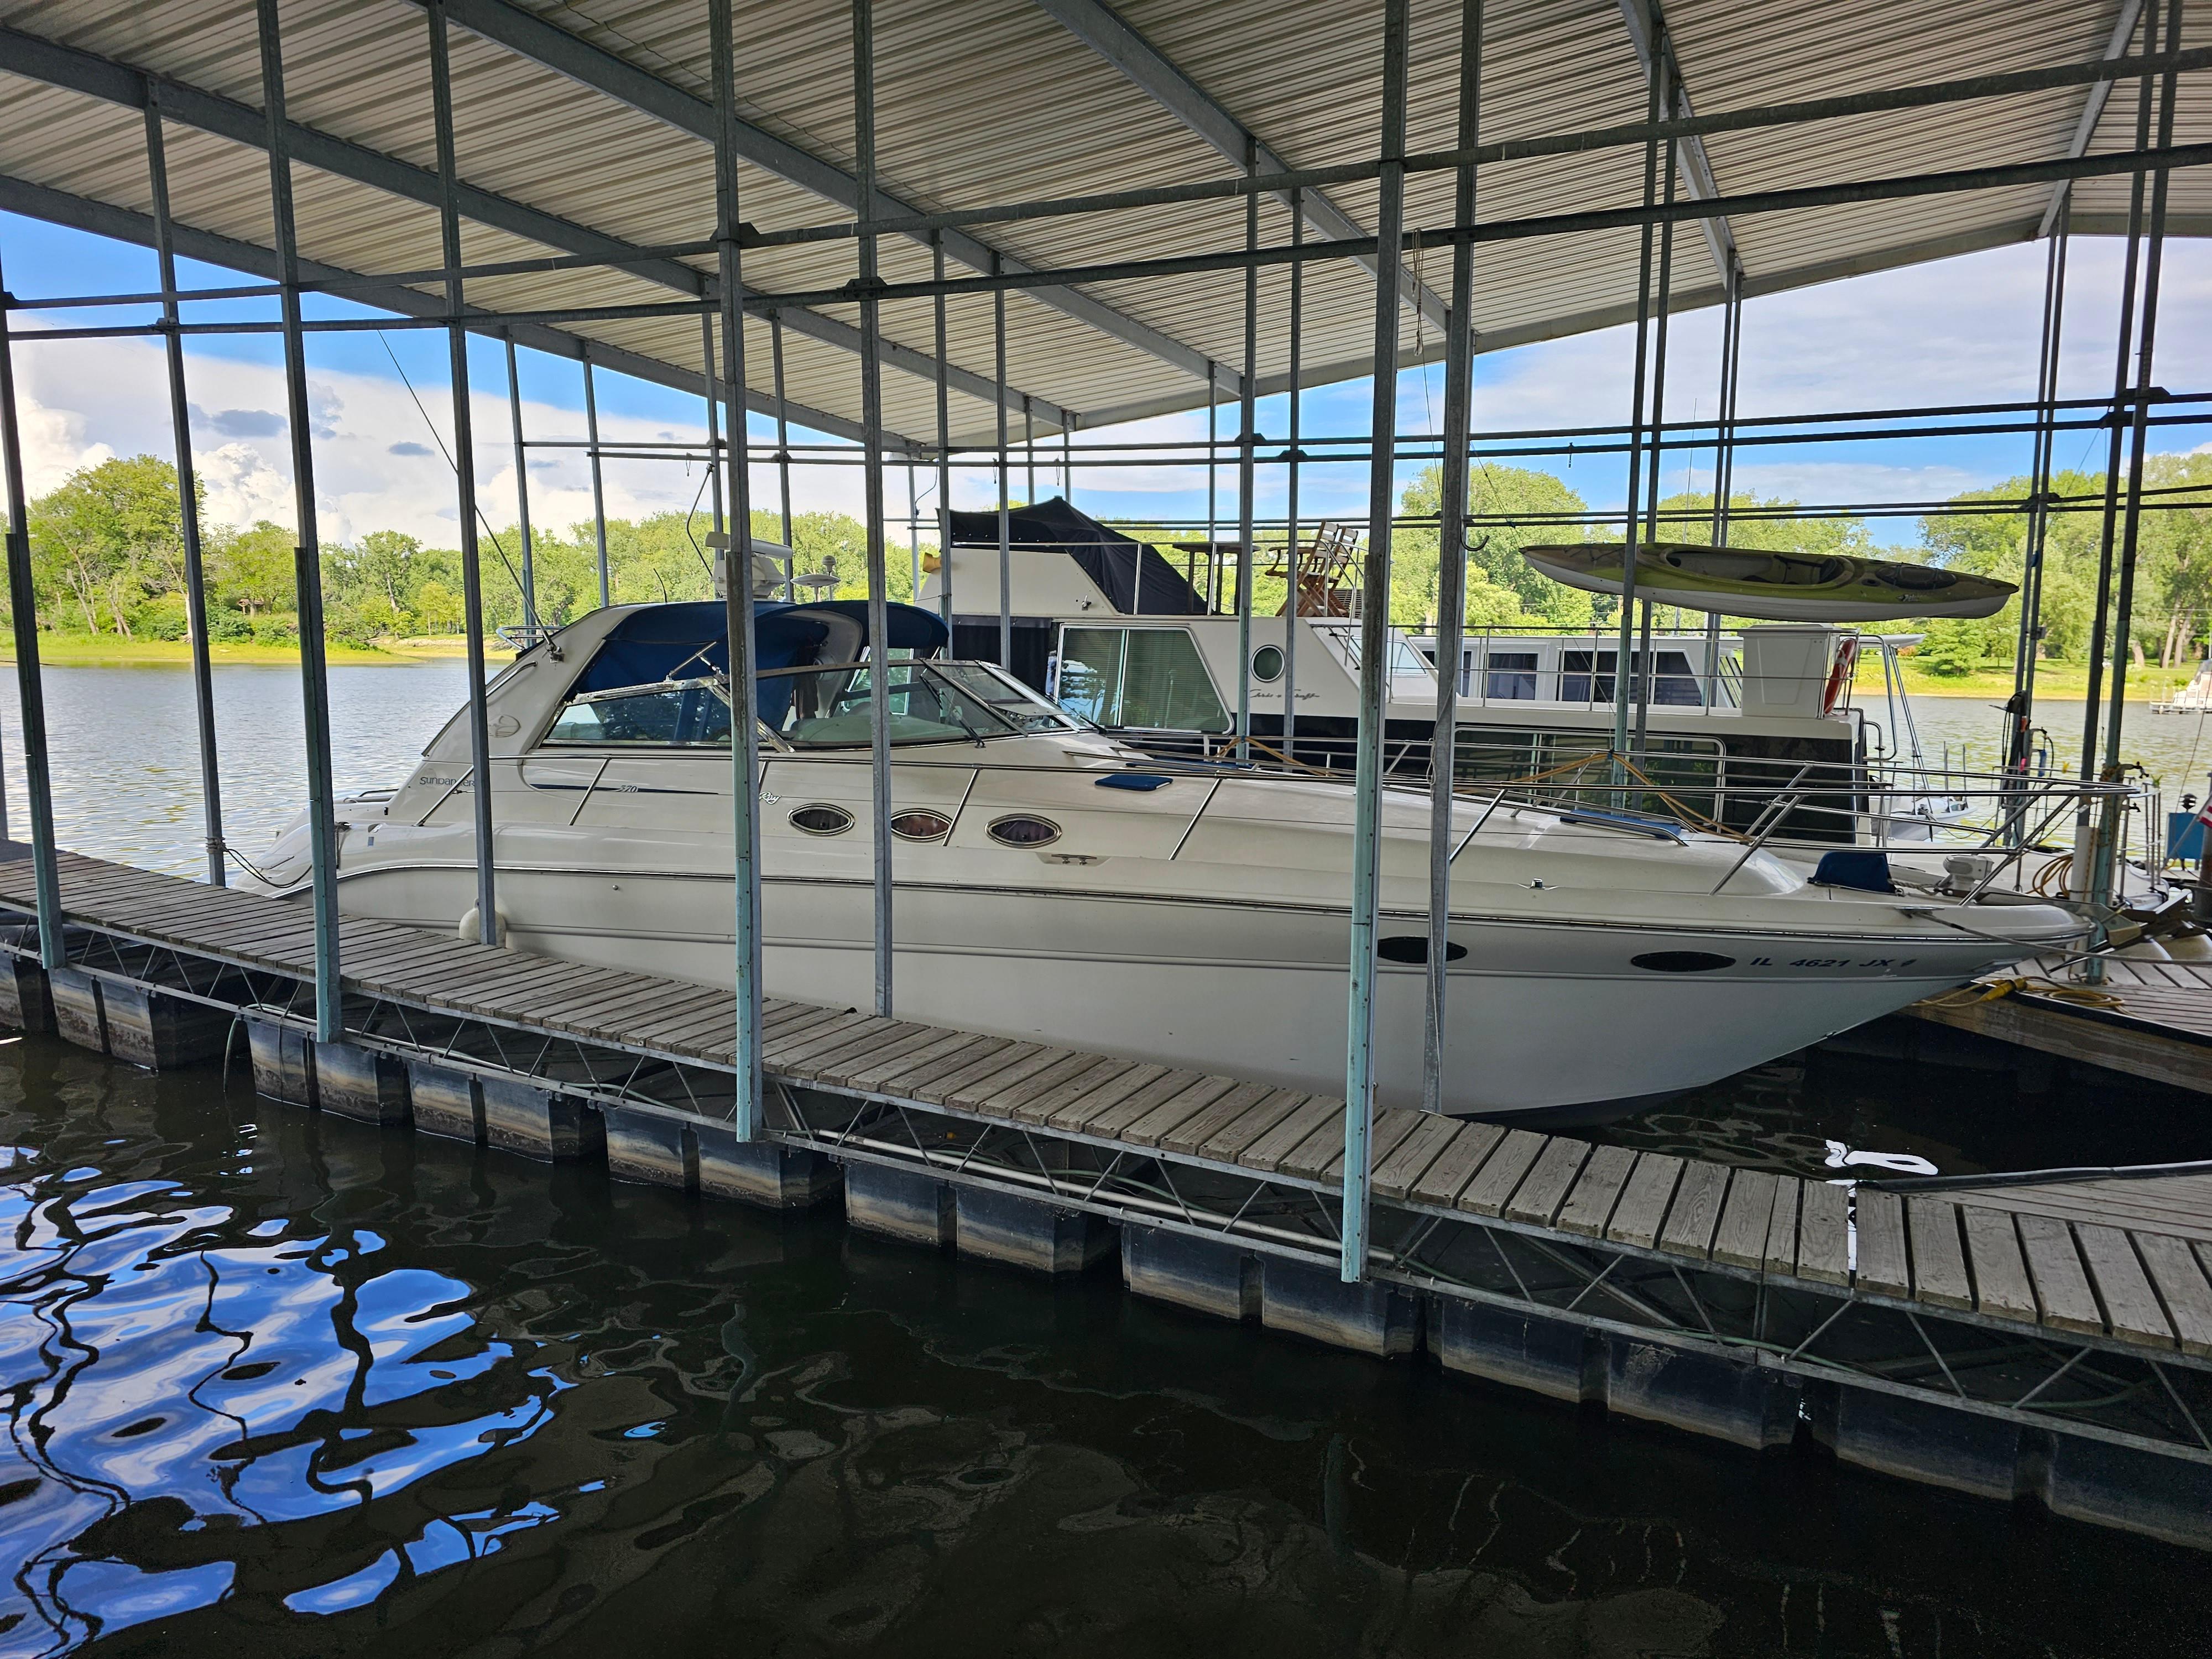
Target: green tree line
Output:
{"points": [[107, 558]]}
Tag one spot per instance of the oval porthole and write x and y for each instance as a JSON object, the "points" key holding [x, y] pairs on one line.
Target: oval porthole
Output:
{"points": [[1267, 663], [821, 820], [1021, 830], [918, 825], [1680, 962], [1414, 949]]}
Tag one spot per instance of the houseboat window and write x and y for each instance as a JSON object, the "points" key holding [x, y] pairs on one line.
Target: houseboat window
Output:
{"points": [[1404, 659], [1267, 663], [1511, 676], [1152, 678], [687, 714], [1675, 683]]}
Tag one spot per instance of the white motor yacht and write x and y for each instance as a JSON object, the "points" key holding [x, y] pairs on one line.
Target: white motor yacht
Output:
{"points": [[1111, 627], [1051, 883]]}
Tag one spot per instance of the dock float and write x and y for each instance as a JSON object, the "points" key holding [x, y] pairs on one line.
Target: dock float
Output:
{"points": [[2010, 1341]]}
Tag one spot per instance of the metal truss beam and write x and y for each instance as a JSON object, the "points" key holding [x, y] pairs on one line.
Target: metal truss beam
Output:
{"points": [[94, 76], [1695, 166], [1161, 79], [2093, 109], [37, 200], [533, 37]]}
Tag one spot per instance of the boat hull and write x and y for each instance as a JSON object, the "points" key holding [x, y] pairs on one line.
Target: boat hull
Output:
{"points": [[1543, 1014]]}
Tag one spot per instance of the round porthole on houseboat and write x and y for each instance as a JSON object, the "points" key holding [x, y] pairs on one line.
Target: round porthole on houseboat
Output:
{"points": [[820, 820], [1680, 962], [1414, 949], [1021, 830], [920, 825], [1267, 663]]}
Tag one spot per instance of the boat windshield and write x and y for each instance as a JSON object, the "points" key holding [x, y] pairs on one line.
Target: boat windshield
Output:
{"points": [[817, 708], [930, 703]]}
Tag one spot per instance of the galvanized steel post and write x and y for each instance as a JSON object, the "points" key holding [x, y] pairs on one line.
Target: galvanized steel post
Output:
{"points": [[1626, 640], [1451, 570], [2113, 455], [872, 451], [913, 531], [188, 500], [522, 497], [2089, 878], [314, 680], [737, 595], [1374, 653], [1641, 666], [944, 449], [783, 449], [1246, 419], [1006, 524], [598, 483], [1724, 458], [2154, 262], [464, 479], [1292, 609], [2019, 721], [23, 603], [1213, 490]]}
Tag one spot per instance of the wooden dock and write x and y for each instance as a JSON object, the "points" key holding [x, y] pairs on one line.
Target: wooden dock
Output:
{"points": [[1543, 1260], [2149, 1019]]}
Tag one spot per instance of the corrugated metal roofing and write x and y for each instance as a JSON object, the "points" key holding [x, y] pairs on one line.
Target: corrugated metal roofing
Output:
{"points": [[588, 110]]}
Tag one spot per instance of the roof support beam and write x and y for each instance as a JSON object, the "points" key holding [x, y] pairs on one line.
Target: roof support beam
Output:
{"points": [[36, 201], [1643, 21], [531, 36], [100, 77], [2092, 111], [1155, 74]]}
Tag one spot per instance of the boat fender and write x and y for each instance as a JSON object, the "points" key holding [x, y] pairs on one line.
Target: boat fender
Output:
{"points": [[1858, 868], [467, 929]]}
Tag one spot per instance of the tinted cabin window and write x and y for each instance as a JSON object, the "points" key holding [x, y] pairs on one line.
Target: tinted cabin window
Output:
{"points": [[1511, 676]]}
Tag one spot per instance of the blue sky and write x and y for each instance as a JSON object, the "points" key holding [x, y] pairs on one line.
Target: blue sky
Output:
{"points": [[1962, 330]]}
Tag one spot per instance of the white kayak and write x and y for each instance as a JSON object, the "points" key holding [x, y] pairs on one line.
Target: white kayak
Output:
{"points": [[1745, 581]]}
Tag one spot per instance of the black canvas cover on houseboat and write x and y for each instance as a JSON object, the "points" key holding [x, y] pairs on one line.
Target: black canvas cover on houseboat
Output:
{"points": [[1109, 558]]}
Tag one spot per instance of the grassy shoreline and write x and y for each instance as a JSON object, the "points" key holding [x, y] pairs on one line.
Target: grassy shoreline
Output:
{"points": [[2065, 680], [106, 650]]}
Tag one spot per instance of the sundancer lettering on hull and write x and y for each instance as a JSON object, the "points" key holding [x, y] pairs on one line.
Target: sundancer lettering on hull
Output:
{"points": [[1053, 883]]}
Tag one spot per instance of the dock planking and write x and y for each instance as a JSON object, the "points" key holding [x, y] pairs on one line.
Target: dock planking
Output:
{"points": [[1695, 1212], [1939, 1259], [2002, 1287], [1642, 1210], [1884, 1266], [1544, 1188], [2128, 1260], [1596, 1191]]}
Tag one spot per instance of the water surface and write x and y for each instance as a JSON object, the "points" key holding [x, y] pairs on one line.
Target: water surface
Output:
{"points": [[284, 1384]]}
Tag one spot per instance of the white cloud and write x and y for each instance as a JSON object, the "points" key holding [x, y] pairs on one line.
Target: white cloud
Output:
{"points": [[242, 487], [1962, 330], [378, 465]]}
